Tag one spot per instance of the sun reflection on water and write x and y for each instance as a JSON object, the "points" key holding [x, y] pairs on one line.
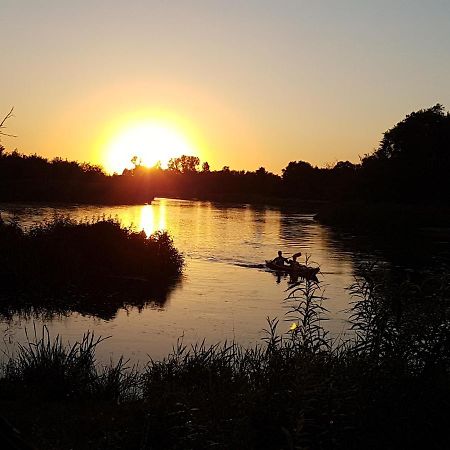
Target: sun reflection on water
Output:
{"points": [[162, 214], [147, 222], [153, 218]]}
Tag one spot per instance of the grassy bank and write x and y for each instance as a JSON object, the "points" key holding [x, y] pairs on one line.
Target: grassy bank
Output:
{"points": [[388, 387], [383, 216], [85, 266]]}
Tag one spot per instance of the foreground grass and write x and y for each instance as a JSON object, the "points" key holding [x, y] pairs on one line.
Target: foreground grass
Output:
{"points": [[91, 267], [388, 387]]}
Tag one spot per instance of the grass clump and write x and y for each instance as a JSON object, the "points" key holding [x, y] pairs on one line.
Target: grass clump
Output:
{"points": [[387, 387], [45, 367], [58, 263], [62, 398]]}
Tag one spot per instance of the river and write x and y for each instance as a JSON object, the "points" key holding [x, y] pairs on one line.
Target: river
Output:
{"points": [[225, 292]]}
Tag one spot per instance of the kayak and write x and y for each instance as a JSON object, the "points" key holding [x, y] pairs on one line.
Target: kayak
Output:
{"points": [[301, 270]]}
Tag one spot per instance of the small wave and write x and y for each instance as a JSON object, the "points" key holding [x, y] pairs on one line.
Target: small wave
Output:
{"points": [[230, 261], [250, 265]]}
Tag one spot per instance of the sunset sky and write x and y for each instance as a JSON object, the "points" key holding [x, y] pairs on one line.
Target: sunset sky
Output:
{"points": [[240, 83]]}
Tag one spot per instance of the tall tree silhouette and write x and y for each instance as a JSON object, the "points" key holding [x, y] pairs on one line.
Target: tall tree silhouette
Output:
{"points": [[412, 161]]}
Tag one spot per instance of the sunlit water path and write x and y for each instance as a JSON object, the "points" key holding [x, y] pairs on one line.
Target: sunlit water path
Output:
{"points": [[225, 292]]}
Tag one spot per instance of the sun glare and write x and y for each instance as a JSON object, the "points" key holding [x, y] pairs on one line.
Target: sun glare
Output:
{"points": [[151, 142]]}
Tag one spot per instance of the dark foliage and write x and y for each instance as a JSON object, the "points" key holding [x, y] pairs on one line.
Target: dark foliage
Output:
{"points": [[409, 166], [412, 161], [384, 217], [91, 267], [385, 388], [34, 178]]}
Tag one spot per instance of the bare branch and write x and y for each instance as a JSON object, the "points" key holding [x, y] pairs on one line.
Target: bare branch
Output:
{"points": [[2, 123]]}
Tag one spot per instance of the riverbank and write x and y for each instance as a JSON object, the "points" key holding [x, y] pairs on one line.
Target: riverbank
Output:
{"points": [[384, 217], [296, 389]]}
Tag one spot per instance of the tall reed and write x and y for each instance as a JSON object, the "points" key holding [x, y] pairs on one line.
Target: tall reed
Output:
{"points": [[387, 387]]}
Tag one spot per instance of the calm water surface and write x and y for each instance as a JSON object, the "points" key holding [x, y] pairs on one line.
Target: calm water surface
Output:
{"points": [[225, 292]]}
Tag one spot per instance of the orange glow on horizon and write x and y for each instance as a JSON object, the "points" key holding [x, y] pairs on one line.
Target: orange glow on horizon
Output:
{"points": [[151, 141]]}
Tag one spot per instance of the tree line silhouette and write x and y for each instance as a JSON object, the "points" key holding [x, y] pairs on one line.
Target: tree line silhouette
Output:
{"points": [[34, 178], [409, 166]]}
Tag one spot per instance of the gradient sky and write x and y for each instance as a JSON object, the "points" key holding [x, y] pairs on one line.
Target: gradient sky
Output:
{"points": [[250, 82]]}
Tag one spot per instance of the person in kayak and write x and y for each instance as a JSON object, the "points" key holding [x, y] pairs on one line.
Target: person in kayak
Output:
{"points": [[280, 259]]}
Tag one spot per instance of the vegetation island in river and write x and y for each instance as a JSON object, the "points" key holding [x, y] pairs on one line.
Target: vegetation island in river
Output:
{"points": [[91, 267]]}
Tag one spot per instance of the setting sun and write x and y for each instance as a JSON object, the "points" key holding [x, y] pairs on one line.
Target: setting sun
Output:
{"points": [[151, 142]]}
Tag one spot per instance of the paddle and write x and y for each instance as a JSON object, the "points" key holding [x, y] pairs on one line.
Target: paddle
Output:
{"points": [[296, 255]]}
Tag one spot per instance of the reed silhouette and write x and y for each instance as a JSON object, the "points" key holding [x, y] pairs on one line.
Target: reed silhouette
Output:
{"points": [[386, 386]]}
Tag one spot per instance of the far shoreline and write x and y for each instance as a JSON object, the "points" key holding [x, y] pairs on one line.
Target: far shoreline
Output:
{"points": [[356, 216]]}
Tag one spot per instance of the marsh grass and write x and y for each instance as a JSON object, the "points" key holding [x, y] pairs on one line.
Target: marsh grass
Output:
{"points": [[388, 387], [45, 367], [307, 314], [91, 266]]}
